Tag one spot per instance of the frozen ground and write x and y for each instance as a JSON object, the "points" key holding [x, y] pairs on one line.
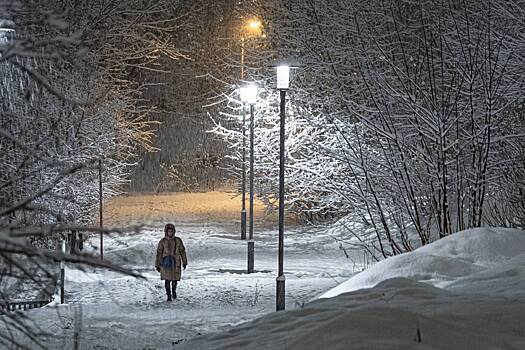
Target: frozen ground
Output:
{"points": [[111, 311], [464, 292]]}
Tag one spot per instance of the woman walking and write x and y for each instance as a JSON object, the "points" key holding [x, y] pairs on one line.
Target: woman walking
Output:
{"points": [[171, 255]]}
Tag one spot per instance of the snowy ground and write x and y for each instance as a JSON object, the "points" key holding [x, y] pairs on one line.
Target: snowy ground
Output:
{"points": [[112, 311], [466, 291]]}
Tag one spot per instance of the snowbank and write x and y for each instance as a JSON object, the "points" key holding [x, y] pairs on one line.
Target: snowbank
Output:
{"points": [[396, 304], [464, 254]]}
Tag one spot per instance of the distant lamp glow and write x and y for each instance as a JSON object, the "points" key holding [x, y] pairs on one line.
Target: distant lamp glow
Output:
{"points": [[249, 94], [249, 28], [253, 27], [283, 77], [254, 24]]}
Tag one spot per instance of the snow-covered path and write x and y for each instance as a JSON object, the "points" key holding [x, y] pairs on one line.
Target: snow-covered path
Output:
{"points": [[116, 311]]}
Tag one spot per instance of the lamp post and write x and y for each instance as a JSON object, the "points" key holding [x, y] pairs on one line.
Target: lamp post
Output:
{"points": [[63, 273], [243, 210], [283, 83], [100, 193], [249, 95], [252, 27]]}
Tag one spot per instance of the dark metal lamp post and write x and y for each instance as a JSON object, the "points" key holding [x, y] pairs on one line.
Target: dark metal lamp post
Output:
{"points": [[243, 210], [283, 83], [251, 28], [100, 197], [249, 95]]}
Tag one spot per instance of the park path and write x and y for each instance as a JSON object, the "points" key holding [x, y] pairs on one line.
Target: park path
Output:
{"points": [[114, 311]]}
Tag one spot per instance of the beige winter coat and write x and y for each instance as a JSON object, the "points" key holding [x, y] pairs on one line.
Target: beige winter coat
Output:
{"points": [[171, 256]]}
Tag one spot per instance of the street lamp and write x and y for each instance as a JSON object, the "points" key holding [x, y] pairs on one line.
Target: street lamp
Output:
{"points": [[249, 95], [101, 222], [250, 28], [243, 209], [283, 83]]}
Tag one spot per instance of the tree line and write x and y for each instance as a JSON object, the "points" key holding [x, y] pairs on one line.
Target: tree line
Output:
{"points": [[405, 118], [72, 102]]}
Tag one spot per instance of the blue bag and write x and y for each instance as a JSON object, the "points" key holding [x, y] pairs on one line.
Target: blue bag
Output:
{"points": [[168, 262]]}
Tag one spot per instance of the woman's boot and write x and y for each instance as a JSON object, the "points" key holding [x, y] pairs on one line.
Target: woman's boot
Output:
{"points": [[168, 291]]}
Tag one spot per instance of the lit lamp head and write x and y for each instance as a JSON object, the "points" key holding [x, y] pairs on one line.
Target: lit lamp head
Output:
{"points": [[283, 73], [253, 27], [254, 24], [283, 77], [249, 93]]}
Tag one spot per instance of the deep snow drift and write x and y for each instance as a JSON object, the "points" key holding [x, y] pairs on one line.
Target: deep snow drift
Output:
{"points": [[466, 291]]}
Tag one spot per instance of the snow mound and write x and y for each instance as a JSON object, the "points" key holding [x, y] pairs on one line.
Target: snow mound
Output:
{"points": [[396, 314], [466, 291], [468, 253], [507, 278], [484, 246]]}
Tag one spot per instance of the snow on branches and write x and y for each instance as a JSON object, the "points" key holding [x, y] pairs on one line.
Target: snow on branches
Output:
{"points": [[406, 118]]}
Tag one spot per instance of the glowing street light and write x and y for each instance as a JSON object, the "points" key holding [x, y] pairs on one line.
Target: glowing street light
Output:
{"points": [[283, 83], [254, 27], [283, 77], [254, 24], [251, 28], [249, 95]]}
